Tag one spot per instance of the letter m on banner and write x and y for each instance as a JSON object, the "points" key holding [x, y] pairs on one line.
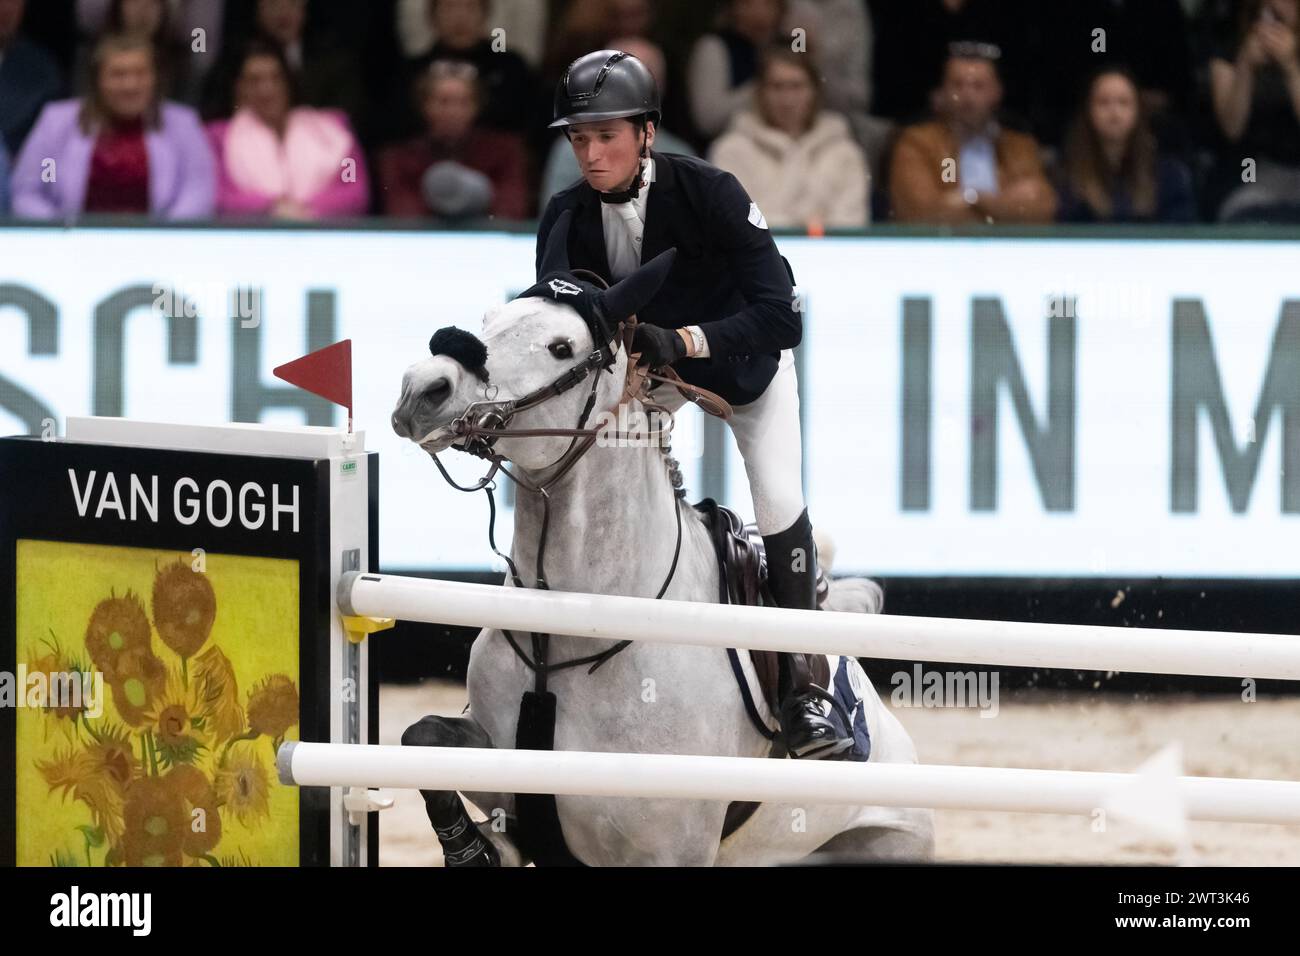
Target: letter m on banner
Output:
{"points": [[1197, 385]]}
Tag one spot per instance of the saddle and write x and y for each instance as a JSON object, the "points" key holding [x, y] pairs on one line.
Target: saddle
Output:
{"points": [[742, 576]]}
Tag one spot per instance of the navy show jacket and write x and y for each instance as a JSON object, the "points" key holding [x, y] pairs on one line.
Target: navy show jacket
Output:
{"points": [[728, 277]]}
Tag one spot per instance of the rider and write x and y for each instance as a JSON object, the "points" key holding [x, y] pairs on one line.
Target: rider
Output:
{"points": [[725, 319]]}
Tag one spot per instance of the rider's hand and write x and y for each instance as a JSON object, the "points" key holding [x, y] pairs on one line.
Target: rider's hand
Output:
{"points": [[658, 346]]}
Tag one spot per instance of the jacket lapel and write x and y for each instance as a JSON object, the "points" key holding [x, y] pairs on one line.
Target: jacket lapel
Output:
{"points": [[587, 243], [162, 170], [75, 170], [659, 209]]}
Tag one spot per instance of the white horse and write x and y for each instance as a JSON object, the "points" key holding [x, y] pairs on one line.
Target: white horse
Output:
{"points": [[613, 530]]}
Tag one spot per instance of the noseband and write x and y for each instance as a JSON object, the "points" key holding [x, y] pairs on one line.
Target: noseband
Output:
{"points": [[484, 422]]}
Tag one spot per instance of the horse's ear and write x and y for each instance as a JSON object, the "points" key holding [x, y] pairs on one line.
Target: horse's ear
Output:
{"points": [[631, 294], [555, 258]]}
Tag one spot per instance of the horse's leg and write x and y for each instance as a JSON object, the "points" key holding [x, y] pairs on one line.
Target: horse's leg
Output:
{"points": [[910, 841], [463, 842]]}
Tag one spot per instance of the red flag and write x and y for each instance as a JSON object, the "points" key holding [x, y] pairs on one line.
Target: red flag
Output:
{"points": [[326, 372]]}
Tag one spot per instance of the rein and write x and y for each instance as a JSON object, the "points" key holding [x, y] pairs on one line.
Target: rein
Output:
{"points": [[484, 422]]}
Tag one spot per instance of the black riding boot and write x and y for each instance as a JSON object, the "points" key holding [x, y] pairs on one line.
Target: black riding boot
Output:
{"points": [[792, 581]]}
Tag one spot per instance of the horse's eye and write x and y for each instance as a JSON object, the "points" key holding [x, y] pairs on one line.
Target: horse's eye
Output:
{"points": [[562, 350]]}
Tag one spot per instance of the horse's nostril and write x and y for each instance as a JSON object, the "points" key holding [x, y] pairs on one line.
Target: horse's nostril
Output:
{"points": [[437, 392]]}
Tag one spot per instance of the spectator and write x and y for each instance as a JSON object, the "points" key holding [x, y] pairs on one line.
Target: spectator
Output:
{"points": [[524, 23], [798, 162], [841, 33], [457, 168], [4, 180], [328, 76], [562, 166], [276, 158], [1151, 38], [964, 166], [185, 16], [723, 69], [120, 149], [193, 38], [510, 98], [352, 60], [1256, 89], [588, 25], [630, 18], [148, 19], [1113, 171], [29, 77], [912, 41]]}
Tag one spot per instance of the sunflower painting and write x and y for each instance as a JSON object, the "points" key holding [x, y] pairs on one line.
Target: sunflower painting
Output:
{"points": [[200, 686]]}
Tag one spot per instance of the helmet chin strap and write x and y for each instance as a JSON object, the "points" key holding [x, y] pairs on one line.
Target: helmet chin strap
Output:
{"points": [[634, 190]]}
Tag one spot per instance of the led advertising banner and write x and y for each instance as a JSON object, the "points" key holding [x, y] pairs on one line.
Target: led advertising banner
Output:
{"points": [[1013, 406]]}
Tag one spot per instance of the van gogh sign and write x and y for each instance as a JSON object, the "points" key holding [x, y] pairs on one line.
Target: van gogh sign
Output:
{"points": [[136, 498], [970, 406]]}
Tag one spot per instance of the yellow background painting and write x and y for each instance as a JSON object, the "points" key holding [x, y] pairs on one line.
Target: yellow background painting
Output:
{"points": [[200, 664]]}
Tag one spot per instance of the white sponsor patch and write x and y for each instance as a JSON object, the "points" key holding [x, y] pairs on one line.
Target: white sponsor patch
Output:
{"points": [[560, 287], [756, 216]]}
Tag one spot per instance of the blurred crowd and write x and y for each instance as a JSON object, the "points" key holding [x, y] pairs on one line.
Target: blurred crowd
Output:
{"points": [[832, 113]]}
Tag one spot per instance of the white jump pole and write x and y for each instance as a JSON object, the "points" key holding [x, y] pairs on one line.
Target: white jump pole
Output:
{"points": [[795, 782], [997, 643]]}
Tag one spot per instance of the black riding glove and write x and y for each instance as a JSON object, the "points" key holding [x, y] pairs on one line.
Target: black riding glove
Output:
{"points": [[658, 346]]}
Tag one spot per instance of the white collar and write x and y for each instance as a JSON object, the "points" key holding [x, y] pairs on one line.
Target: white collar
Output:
{"points": [[647, 173], [639, 203]]}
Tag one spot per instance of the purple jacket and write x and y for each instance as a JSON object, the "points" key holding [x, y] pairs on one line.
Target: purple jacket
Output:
{"points": [[182, 175]]}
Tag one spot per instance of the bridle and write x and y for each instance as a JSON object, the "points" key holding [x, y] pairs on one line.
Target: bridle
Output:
{"points": [[482, 423]]}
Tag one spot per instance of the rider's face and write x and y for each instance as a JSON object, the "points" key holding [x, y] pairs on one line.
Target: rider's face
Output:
{"points": [[608, 152]]}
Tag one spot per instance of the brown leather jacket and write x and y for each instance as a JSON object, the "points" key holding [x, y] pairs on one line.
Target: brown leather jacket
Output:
{"points": [[920, 193]]}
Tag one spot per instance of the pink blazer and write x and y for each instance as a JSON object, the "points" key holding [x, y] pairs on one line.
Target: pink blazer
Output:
{"points": [[318, 163]]}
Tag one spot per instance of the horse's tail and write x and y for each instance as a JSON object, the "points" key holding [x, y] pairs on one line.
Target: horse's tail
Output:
{"points": [[855, 595]]}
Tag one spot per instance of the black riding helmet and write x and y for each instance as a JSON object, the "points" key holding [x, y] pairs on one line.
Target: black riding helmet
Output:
{"points": [[605, 85]]}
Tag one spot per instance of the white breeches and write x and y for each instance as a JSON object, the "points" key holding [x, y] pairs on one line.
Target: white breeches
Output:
{"points": [[767, 434]]}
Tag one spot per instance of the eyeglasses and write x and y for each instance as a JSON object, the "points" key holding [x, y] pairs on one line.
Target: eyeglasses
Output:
{"points": [[972, 50], [453, 70]]}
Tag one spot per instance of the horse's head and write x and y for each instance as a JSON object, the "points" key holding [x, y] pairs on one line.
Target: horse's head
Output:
{"points": [[541, 338]]}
